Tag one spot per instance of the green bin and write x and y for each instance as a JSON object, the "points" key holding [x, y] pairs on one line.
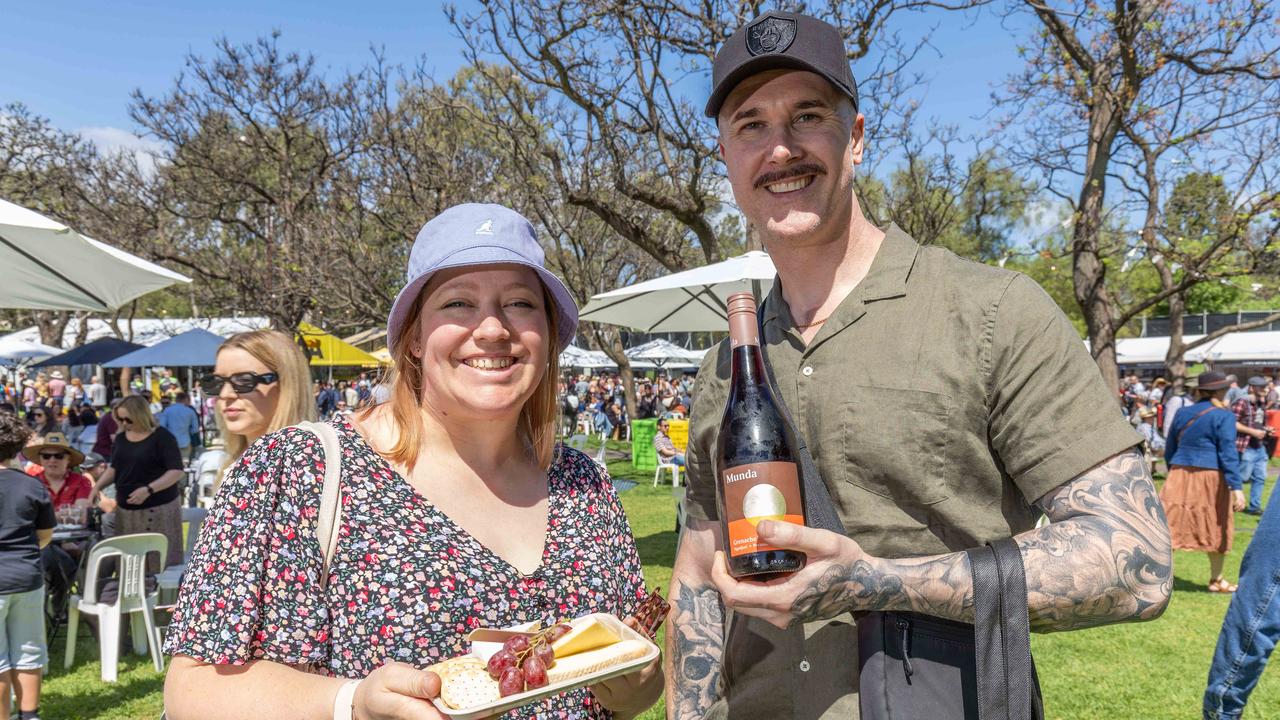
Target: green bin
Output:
{"points": [[643, 456]]}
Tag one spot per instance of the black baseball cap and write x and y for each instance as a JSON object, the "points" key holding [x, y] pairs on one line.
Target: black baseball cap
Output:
{"points": [[781, 40]]}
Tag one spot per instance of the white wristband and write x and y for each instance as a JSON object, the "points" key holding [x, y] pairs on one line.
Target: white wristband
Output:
{"points": [[344, 701]]}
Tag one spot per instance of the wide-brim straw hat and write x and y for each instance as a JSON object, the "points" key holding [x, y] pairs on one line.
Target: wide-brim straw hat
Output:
{"points": [[57, 441]]}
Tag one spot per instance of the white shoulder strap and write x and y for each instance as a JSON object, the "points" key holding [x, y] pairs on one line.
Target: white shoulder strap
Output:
{"points": [[330, 518]]}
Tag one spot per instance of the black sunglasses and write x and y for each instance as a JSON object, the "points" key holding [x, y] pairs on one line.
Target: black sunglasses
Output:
{"points": [[52, 456], [125, 420], [242, 383]]}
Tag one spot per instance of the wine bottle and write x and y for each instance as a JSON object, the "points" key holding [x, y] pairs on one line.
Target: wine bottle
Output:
{"points": [[756, 470]]}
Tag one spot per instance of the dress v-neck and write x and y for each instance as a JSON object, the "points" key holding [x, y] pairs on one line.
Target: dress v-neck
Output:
{"points": [[406, 487]]}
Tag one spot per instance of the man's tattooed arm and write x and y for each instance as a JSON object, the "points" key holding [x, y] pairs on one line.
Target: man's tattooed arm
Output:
{"points": [[1105, 557], [695, 627]]}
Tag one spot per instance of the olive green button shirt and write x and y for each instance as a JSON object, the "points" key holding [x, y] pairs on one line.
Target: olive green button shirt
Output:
{"points": [[940, 400]]}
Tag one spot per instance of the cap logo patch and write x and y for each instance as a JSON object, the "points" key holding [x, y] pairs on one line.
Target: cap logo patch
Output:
{"points": [[770, 35], [486, 228]]}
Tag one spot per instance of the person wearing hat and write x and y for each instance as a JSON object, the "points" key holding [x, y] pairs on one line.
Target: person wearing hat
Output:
{"points": [[459, 511], [57, 388], [1252, 433], [947, 404], [52, 460], [1203, 487]]}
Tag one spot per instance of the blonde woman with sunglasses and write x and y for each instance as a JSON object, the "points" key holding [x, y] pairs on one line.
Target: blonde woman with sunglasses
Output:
{"points": [[261, 383]]}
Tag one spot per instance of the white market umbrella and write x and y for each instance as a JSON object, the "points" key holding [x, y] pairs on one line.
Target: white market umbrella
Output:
{"points": [[49, 266], [689, 301], [20, 352], [664, 353], [574, 356]]}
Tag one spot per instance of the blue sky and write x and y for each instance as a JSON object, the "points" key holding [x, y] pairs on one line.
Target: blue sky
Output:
{"points": [[76, 62]]}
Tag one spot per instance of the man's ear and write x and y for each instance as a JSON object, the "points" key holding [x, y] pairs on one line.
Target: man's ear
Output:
{"points": [[857, 139], [720, 150]]}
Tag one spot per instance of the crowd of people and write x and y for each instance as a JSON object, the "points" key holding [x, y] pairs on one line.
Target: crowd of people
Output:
{"points": [[597, 402]]}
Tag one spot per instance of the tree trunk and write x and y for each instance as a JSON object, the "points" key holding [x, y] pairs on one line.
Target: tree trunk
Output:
{"points": [[1175, 363], [52, 324], [610, 341], [1089, 275]]}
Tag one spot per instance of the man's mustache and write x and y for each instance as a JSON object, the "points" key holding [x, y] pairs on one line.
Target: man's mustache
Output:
{"points": [[790, 172]]}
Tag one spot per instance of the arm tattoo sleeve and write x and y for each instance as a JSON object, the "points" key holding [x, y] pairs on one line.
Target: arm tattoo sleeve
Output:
{"points": [[695, 648], [1106, 554], [1105, 557]]}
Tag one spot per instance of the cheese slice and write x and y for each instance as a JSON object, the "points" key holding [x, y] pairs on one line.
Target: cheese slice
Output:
{"points": [[589, 635]]}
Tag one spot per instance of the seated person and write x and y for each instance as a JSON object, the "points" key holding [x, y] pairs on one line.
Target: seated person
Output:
{"points": [[667, 452]]}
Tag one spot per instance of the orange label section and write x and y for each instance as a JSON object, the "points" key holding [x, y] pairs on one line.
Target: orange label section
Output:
{"points": [[743, 539], [755, 492]]}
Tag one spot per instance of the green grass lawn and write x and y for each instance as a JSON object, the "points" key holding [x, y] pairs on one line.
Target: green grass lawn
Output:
{"points": [[1148, 671]]}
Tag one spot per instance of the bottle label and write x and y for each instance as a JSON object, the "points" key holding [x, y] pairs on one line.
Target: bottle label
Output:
{"points": [[755, 492]]}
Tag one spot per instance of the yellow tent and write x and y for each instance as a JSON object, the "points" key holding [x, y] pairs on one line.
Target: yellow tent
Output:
{"points": [[383, 354], [328, 351]]}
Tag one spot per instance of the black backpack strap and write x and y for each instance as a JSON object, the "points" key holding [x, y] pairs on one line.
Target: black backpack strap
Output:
{"points": [[1006, 684], [819, 510]]}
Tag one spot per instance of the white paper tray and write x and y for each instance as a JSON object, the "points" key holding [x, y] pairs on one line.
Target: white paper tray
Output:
{"points": [[514, 701]]}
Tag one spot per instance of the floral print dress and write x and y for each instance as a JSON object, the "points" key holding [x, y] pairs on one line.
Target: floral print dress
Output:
{"points": [[405, 584]]}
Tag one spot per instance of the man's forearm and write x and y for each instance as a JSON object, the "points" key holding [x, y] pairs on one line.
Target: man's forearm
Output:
{"points": [[695, 650], [1105, 558], [695, 626]]}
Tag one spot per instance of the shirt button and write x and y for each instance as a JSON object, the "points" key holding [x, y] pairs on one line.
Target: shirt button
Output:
{"points": [[804, 666], [808, 370]]}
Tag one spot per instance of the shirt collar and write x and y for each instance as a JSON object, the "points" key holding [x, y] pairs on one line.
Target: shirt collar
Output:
{"points": [[886, 278]]}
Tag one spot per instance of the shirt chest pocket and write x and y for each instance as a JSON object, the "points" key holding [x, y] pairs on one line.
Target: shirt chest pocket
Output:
{"points": [[895, 444]]}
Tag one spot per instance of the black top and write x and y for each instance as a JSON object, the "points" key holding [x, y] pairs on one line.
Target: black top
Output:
{"points": [[138, 463], [24, 508]]}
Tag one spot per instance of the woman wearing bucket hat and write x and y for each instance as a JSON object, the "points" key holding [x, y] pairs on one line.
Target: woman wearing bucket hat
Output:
{"points": [[1203, 487], [458, 511]]}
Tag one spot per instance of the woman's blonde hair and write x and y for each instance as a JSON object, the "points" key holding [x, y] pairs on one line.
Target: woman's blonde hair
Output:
{"points": [[538, 418], [139, 412], [283, 357]]}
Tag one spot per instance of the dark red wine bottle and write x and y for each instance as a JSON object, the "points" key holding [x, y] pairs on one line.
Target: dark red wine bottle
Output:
{"points": [[756, 471]]}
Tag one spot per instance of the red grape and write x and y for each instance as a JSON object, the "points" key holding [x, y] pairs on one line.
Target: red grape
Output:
{"points": [[517, 644], [546, 655], [512, 682], [556, 632], [535, 672], [500, 661]]}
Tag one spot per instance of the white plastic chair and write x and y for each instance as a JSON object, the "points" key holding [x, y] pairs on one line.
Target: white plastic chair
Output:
{"points": [[169, 580], [675, 473], [207, 469], [130, 552]]}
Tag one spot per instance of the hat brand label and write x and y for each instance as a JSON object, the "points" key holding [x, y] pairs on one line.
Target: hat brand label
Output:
{"points": [[771, 35], [486, 228]]}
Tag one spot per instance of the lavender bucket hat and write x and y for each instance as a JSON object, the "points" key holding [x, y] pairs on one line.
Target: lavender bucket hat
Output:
{"points": [[476, 234]]}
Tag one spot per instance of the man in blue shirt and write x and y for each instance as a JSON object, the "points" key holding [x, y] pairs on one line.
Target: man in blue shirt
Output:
{"points": [[180, 419]]}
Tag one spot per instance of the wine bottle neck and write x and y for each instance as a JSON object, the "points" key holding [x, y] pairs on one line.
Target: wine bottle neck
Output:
{"points": [[748, 367]]}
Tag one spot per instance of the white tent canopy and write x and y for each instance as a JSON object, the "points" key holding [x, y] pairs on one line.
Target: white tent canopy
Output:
{"points": [[49, 266], [1244, 347], [149, 331], [693, 300], [1152, 350]]}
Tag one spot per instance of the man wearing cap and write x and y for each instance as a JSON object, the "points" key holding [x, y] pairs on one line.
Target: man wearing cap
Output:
{"points": [[1251, 435], [946, 403]]}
